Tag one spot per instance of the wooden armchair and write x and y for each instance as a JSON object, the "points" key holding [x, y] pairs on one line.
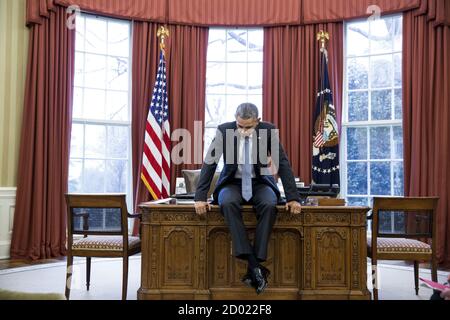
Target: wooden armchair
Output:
{"points": [[419, 223], [101, 223]]}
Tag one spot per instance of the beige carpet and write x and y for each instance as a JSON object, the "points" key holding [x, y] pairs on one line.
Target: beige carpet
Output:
{"points": [[395, 282]]}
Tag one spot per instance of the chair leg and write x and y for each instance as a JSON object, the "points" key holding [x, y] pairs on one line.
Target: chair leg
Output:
{"points": [[69, 275], [434, 276], [416, 276], [88, 272], [374, 280], [125, 277]]}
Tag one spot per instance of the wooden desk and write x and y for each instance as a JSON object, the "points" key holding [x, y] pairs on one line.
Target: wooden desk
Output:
{"points": [[319, 254]]}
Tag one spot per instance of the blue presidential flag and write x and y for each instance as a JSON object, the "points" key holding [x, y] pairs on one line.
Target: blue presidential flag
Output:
{"points": [[325, 160]]}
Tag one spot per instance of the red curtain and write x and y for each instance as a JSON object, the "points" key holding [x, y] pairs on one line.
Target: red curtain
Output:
{"points": [[187, 50], [235, 12], [186, 62], [228, 12], [40, 217], [315, 11], [290, 84], [426, 114]]}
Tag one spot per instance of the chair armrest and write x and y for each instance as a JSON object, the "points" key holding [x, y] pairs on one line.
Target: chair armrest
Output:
{"points": [[81, 214], [135, 216]]}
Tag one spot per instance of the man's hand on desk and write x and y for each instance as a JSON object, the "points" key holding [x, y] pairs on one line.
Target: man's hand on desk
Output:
{"points": [[201, 207], [294, 207]]}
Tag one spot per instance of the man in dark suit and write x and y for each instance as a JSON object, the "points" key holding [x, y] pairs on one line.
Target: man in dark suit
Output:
{"points": [[247, 144]]}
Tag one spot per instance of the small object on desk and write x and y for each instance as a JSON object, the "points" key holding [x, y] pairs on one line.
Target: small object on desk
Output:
{"points": [[185, 202], [312, 201], [162, 201], [331, 202], [185, 196]]}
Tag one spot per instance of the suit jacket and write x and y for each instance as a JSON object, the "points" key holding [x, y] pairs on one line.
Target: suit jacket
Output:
{"points": [[265, 140]]}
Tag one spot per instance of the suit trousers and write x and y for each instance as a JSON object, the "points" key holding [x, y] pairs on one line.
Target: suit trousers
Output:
{"points": [[264, 202]]}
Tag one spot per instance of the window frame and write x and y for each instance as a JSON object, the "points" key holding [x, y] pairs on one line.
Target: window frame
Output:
{"points": [[370, 123], [225, 61], [104, 122]]}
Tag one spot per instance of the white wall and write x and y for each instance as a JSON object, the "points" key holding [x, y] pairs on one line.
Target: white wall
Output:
{"points": [[7, 207]]}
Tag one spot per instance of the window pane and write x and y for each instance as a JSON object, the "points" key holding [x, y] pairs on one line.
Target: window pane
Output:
{"points": [[357, 72], [79, 69], [255, 78], [117, 106], [79, 37], [358, 103], [118, 73], [215, 78], [95, 144], [380, 143], [398, 70], [118, 141], [380, 38], [76, 141], [77, 110], [95, 72], [95, 35], [356, 143], [357, 39], [357, 178], [380, 178], [216, 45], [237, 45], [94, 104], [116, 175], [237, 78], [398, 142], [396, 29], [398, 178], [75, 174], [94, 176], [381, 71], [381, 105], [357, 201], [255, 45], [257, 101], [118, 39], [215, 110], [398, 104]]}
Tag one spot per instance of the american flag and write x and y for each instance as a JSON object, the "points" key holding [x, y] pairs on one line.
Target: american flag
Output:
{"points": [[156, 158]]}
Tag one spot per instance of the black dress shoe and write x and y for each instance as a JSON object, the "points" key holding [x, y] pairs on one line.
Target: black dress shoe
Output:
{"points": [[260, 282], [247, 279]]}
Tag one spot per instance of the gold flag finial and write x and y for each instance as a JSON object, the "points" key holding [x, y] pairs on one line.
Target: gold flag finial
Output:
{"points": [[323, 37], [163, 32]]}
